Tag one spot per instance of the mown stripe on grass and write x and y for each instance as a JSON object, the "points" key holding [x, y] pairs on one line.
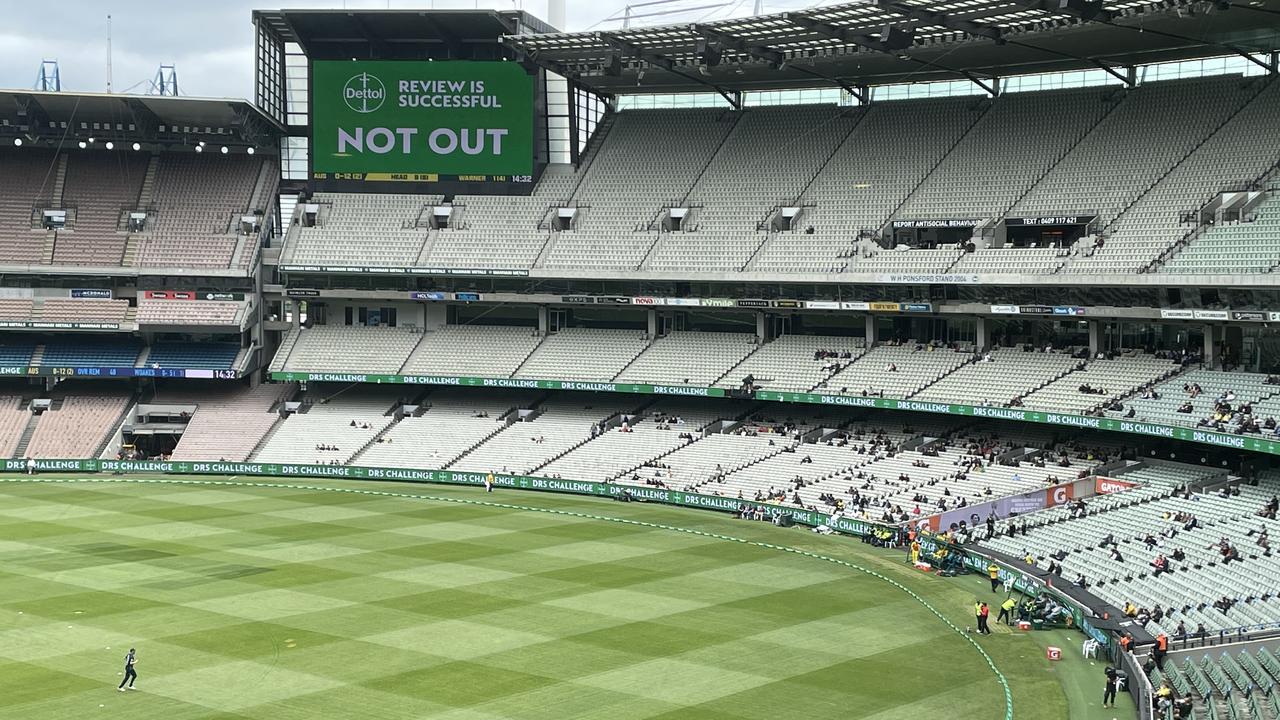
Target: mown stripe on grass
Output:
{"points": [[1004, 683]]}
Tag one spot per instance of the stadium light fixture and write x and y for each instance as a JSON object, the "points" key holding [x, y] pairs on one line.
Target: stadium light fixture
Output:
{"points": [[90, 141], [249, 150], [137, 146], [111, 145], [83, 144], [224, 149], [200, 148], [201, 143], [17, 142]]}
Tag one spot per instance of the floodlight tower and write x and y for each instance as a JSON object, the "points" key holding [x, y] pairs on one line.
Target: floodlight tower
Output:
{"points": [[165, 82], [49, 77]]}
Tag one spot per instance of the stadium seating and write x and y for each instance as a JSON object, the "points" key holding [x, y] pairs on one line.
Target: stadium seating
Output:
{"points": [[229, 421], [13, 421], [689, 358], [1001, 372], [362, 229], [1242, 388], [26, 181], [1185, 594], [564, 420], [91, 353], [453, 422], [1115, 378], [649, 161], [197, 199], [895, 371], [346, 421], [14, 352], [204, 312], [345, 348], [583, 354], [210, 356], [472, 350], [792, 363], [78, 424], [100, 188], [1252, 246], [82, 311], [619, 450]]}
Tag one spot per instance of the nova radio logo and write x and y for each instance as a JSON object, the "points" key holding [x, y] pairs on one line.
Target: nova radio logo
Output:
{"points": [[364, 93]]}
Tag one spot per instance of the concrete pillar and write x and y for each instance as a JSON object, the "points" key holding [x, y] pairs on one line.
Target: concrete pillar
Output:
{"points": [[762, 328], [652, 317], [297, 313], [871, 330], [1211, 336], [1095, 338], [543, 320], [982, 339]]}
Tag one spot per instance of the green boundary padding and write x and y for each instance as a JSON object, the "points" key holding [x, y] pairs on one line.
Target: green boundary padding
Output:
{"points": [[1004, 683]]}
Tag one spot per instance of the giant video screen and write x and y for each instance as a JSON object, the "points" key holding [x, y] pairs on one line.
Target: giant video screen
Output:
{"points": [[382, 121]]}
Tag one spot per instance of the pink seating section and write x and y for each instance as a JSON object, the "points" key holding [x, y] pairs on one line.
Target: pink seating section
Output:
{"points": [[26, 177], [228, 422], [78, 427], [100, 187]]}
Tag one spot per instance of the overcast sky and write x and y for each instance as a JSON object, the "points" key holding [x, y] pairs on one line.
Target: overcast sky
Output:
{"points": [[209, 41]]}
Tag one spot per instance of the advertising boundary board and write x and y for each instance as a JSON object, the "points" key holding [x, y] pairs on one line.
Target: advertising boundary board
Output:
{"points": [[809, 518], [1248, 443]]}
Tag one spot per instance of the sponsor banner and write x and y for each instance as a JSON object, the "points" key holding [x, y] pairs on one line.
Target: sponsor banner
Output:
{"points": [[949, 223], [864, 306], [787, 304], [467, 296], [432, 296], [169, 294], [1068, 310], [917, 307], [222, 296], [1035, 310], [613, 300], [301, 292], [926, 279], [531, 384], [1057, 495], [520, 482], [682, 301], [644, 300], [1106, 485], [752, 303], [1273, 316], [50, 325], [92, 293], [1177, 314], [1052, 220], [884, 307], [1004, 309], [1211, 315], [717, 302], [577, 299], [1249, 316], [821, 305], [385, 270]]}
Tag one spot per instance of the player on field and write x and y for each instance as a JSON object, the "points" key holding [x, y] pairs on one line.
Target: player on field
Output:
{"points": [[129, 673]]}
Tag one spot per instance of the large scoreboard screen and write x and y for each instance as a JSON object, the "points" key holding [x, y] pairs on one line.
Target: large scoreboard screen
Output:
{"points": [[387, 121]]}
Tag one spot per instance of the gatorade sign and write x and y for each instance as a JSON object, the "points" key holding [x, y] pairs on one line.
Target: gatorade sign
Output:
{"points": [[1057, 495], [1106, 485], [422, 121]]}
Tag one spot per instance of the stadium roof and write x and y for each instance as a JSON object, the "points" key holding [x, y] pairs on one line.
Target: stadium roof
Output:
{"points": [[877, 42], [398, 34], [144, 117]]}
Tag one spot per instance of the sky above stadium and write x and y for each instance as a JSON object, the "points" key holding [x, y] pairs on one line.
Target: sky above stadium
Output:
{"points": [[211, 41]]}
